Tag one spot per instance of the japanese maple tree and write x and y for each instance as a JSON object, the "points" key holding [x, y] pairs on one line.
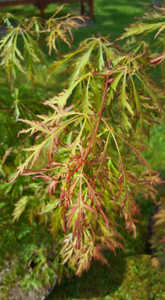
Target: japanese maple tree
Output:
{"points": [[92, 138]]}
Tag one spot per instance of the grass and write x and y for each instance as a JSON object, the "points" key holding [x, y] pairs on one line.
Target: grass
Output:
{"points": [[130, 275], [110, 16], [131, 278]]}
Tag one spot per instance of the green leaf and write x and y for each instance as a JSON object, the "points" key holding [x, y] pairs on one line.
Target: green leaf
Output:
{"points": [[136, 97], [87, 107], [138, 28], [101, 62], [117, 79], [17, 112], [61, 99], [20, 207], [113, 86], [82, 61], [49, 207]]}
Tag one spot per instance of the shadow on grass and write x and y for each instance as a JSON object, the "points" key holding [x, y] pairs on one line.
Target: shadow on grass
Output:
{"points": [[97, 282]]}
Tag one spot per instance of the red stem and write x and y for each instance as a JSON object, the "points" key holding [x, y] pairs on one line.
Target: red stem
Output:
{"points": [[153, 61], [96, 129]]}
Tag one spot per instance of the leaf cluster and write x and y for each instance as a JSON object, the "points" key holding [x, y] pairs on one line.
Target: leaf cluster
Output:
{"points": [[30, 33]]}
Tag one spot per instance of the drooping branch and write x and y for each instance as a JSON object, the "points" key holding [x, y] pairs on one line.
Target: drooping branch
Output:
{"points": [[96, 128]]}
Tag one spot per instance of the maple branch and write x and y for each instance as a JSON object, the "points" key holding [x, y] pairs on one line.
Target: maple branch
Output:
{"points": [[96, 128], [94, 236], [154, 61], [98, 122], [27, 29]]}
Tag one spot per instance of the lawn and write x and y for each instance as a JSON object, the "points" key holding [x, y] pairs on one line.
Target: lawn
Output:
{"points": [[110, 16], [131, 275]]}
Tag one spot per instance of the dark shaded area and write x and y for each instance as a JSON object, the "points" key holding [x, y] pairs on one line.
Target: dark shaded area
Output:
{"points": [[97, 282]]}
